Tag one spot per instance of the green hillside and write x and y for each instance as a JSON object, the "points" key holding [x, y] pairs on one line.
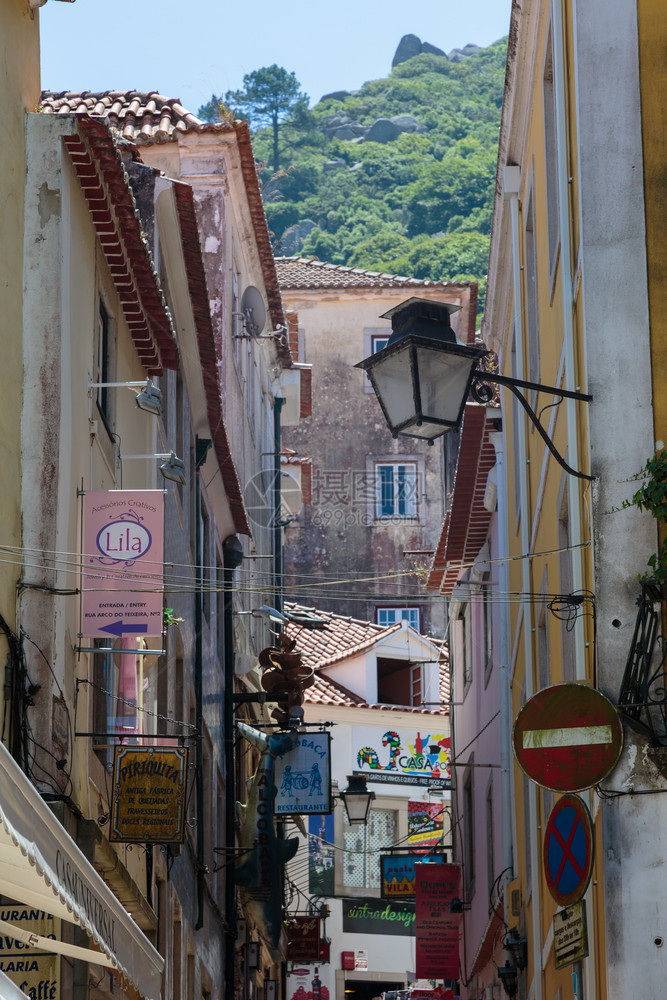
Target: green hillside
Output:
{"points": [[417, 202]]}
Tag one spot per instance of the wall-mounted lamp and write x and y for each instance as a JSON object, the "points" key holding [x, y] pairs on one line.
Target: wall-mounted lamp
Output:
{"points": [[508, 978], [148, 399], [272, 614], [171, 467], [357, 799], [517, 946], [423, 377]]}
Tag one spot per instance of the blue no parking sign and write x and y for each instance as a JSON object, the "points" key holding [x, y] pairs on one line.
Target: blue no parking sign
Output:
{"points": [[568, 850]]}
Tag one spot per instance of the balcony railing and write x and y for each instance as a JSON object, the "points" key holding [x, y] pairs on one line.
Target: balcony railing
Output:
{"points": [[643, 697]]}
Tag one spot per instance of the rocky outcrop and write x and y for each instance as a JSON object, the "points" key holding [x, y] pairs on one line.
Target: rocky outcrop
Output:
{"points": [[411, 46]]}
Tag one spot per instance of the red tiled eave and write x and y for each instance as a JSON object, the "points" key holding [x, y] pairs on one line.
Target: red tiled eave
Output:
{"points": [[196, 274], [467, 521], [105, 186]]}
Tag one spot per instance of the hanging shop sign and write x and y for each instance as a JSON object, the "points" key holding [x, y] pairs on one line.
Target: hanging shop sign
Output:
{"points": [[402, 756], [377, 916], [310, 982], [425, 824], [123, 563], [568, 850], [397, 873], [321, 855], [567, 737], [303, 776], [436, 927], [303, 938], [148, 802], [34, 971], [570, 935]]}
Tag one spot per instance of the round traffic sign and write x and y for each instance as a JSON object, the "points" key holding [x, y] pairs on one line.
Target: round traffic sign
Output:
{"points": [[568, 850], [567, 737]]}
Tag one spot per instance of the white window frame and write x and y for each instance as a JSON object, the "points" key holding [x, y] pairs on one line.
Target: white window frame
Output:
{"points": [[375, 338], [395, 614]]}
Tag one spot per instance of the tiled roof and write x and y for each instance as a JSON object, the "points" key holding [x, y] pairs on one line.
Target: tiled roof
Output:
{"points": [[148, 118], [301, 272], [138, 117], [99, 168], [185, 208], [343, 637], [467, 522]]}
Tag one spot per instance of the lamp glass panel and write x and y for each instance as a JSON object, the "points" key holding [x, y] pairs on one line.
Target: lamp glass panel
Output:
{"points": [[393, 385], [444, 381]]}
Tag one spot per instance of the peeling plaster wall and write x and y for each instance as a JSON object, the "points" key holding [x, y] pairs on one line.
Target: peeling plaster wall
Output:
{"points": [[338, 536]]}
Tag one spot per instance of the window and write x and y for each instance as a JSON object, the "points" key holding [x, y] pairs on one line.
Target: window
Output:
{"points": [[375, 340], [532, 324], [396, 681], [463, 644], [565, 583], [396, 490], [489, 839], [487, 625], [389, 616], [468, 834], [550, 154], [362, 846], [105, 366]]}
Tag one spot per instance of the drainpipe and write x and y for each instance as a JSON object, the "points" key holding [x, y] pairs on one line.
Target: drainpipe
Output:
{"points": [[512, 183], [277, 513], [232, 554], [202, 446], [574, 509]]}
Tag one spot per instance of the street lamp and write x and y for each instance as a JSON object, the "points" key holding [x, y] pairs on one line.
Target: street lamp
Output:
{"points": [[509, 979], [423, 377], [357, 799]]}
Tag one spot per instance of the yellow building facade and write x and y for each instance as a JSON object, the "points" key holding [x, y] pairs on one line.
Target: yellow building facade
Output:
{"points": [[576, 300]]}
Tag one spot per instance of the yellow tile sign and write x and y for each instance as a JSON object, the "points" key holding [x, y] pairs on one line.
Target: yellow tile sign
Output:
{"points": [[149, 794]]}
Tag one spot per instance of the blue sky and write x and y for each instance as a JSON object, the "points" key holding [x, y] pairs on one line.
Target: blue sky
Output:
{"points": [[190, 50]]}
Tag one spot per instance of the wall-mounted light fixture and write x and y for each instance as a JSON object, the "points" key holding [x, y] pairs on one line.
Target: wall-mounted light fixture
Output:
{"points": [[517, 946], [423, 377], [357, 799], [171, 467], [148, 399], [509, 979]]}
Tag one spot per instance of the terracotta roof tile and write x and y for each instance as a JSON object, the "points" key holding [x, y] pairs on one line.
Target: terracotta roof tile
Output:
{"points": [[467, 521], [139, 117], [98, 165], [343, 637], [194, 264], [144, 118], [301, 272]]}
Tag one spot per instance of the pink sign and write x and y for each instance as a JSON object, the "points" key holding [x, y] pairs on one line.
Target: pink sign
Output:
{"points": [[123, 563], [436, 928]]}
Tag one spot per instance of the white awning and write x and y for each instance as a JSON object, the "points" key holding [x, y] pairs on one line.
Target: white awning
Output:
{"points": [[9, 991], [41, 866]]}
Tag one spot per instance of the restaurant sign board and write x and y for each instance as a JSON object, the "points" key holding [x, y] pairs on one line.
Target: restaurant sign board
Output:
{"points": [[148, 802], [436, 927], [35, 972]]}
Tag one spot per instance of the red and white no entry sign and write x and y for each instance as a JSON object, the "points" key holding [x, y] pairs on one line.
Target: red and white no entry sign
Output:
{"points": [[567, 737]]}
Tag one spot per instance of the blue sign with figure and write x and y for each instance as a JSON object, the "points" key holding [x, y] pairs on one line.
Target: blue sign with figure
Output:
{"points": [[303, 776]]}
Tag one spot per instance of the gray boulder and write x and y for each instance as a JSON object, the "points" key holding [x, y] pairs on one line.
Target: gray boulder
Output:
{"points": [[337, 95], [334, 164], [406, 123], [408, 47], [382, 130], [294, 237], [344, 132], [432, 49], [470, 49]]}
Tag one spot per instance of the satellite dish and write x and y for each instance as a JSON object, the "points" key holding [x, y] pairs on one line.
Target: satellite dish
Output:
{"points": [[254, 311]]}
